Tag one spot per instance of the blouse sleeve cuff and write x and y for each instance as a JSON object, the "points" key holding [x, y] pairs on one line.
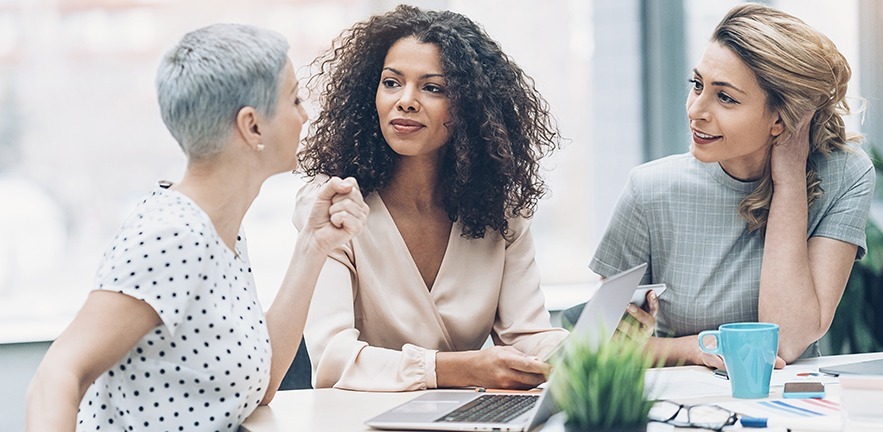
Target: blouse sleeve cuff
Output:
{"points": [[426, 360]]}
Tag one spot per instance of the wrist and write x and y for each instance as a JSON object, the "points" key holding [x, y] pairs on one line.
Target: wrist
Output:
{"points": [[795, 182], [452, 370], [307, 245], [668, 351], [680, 351]]}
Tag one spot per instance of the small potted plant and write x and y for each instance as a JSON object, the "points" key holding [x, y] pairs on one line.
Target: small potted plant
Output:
{"points": [[603, 389]]}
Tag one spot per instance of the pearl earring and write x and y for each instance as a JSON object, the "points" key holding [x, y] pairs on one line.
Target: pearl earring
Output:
{"points": [[260, 147]]}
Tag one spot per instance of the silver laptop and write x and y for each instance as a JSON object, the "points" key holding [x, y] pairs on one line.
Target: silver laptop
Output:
{"points": [[474, 411], [870, 367]]}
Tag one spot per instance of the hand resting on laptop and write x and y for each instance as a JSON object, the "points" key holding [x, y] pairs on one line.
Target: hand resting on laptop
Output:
{"points": [[495, 367]]}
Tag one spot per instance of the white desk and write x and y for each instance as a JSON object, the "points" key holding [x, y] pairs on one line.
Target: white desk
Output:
{"points": [[344, 411]]}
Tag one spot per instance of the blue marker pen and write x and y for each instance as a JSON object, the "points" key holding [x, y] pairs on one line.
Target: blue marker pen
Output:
{"points": [[801, 424]]}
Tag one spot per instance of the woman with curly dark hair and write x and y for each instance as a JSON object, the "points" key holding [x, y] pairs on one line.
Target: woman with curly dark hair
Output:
{"points": [[444, 134]]}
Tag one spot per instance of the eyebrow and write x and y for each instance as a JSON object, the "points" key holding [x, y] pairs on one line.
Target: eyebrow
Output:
{"points": [[721, 83], [424, 76]]}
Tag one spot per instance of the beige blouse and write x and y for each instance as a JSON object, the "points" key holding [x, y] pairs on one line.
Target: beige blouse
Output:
{"points": [[374, 325]]}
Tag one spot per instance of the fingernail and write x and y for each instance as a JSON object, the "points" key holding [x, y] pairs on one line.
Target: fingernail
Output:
{"points": [[652, 295], [632, 308]]}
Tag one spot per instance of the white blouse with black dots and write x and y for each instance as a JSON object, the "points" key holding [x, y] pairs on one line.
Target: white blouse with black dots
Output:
{"points": [[206, 367]]}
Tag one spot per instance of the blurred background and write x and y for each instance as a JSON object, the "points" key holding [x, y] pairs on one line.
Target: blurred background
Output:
{"points": [[81, 139]]}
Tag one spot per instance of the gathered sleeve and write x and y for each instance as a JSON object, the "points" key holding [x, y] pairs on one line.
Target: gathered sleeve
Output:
{"points": [[339, 358], [522, 318]]}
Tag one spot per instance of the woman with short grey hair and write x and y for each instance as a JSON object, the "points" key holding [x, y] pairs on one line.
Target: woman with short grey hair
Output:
{"points": [[172, 337]]}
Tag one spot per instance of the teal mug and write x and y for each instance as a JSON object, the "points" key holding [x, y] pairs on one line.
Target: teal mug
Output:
{"points": [[749, 351]]}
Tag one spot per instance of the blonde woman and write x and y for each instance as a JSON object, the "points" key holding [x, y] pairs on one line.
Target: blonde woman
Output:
{"points": [[763, 219]]}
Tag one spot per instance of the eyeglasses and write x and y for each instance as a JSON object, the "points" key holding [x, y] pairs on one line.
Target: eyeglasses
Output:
{"points": [[692, 416]]}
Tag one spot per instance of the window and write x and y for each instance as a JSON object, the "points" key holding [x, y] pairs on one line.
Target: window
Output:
{"points": [[81, 139]]}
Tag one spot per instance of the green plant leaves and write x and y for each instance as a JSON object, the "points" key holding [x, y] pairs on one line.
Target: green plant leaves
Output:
{"points": [[602, 388]]}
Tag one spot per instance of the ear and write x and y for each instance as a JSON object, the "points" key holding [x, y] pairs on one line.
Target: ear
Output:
{"points": [[778, 126], [248, 127]]}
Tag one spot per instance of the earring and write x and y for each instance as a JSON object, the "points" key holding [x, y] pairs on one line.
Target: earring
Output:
{"points": [[260, 147]]}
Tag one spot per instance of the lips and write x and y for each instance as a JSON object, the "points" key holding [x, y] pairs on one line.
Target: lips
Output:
{"points": [[406, 126], [703, 138]]}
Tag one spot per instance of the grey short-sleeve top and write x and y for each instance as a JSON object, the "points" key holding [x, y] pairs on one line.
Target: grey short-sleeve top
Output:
{"points": [[681, 216]]}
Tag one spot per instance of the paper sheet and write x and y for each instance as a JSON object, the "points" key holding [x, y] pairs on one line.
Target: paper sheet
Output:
{"points": [[793, 414], [786, 408], [801, 373], [675, 385]]}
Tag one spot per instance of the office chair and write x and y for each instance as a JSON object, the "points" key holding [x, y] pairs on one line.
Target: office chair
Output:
{"points": [[299, 375], [570, 316]]}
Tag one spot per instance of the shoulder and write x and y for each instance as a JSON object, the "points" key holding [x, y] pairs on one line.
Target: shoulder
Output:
{"points": [[163, 210], [162, 221], [662, 174], [848, 166], [665, 168], [519, 225], [519, 228], [852, 158]]}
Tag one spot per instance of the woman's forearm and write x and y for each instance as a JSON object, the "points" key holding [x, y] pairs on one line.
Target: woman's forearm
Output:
{"points": [[287, 316], [788, 295], [52, 401], [675, 351]]}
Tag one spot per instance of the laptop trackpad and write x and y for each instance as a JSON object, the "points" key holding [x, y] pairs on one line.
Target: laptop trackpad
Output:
{"points": [[428, 406]]}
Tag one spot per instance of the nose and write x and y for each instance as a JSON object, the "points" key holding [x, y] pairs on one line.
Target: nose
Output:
{"points": [[696, 107], [303, 113], [408, 100]]}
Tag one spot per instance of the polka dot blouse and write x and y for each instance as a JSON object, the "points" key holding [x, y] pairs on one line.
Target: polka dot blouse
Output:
{"points": [[206, 367]]}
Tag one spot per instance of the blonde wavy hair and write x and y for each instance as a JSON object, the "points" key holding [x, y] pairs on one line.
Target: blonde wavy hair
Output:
{"points": [[800, 70]]}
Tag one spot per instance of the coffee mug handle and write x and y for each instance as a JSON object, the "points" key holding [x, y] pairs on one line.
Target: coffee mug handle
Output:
{"points": [[716, 335]]}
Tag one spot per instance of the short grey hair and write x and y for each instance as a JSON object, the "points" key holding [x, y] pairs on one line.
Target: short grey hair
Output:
{"points": [[210, 75]]}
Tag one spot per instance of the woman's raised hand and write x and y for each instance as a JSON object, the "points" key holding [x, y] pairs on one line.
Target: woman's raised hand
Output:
{"points": [[339, 214], [788, 155]]}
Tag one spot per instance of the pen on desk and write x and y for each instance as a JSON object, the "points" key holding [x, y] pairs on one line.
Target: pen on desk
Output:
{"points": [[794, 424], [493, 390]]}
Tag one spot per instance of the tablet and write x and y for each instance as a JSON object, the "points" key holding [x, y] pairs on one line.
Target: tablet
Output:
{"points": [[601, 314], [640, 295]]}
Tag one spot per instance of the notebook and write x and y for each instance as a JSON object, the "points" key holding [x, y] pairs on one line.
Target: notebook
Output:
{"points": [[474, 411], [870, 367]]}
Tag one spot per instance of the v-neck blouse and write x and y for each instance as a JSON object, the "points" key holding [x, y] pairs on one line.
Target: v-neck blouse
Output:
{"points": [[374, 325]]}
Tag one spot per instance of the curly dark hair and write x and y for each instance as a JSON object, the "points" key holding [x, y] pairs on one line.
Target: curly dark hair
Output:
{"points": [[500, 125]]}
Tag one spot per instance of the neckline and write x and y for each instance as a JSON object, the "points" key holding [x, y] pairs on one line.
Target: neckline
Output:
{"points": [[404, 246], [718, 174], [164, 187]]}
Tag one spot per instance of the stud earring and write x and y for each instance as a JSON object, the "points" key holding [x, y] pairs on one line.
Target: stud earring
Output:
{"points": [[260, 147]]}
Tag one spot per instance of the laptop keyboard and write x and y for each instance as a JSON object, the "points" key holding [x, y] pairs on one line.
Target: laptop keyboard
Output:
{"points": [[497, 408]]}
